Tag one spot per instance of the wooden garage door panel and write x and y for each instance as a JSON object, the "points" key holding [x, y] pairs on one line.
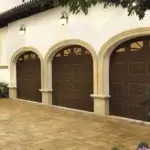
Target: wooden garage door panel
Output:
{"points": [[63, 101], [137, 72], [129, 73], [27, 66], [66, 93], [137, 78], [118, 88], [82, 76], [73, 81], [137, 68], [82, 85], [137, 112], [29, 93], [82, 104], [148, 67], [29, 77], [73, 93], [117, 68], [66, 68], [57, 68], [21, 91], [78, 68], [136, 89], [121, 109], [122, 99], [60, 84]]}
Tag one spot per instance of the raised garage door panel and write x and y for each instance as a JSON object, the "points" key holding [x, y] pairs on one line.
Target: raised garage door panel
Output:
{"points": [[29, 77], [129, 73], [73, 78]]}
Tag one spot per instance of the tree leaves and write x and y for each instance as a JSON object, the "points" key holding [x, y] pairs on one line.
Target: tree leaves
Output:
{"points": [[76, 6]]}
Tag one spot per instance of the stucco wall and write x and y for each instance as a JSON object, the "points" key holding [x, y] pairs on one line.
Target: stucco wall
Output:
{"points": [[4, 72], [4, 75], [44, 30], [3, 46]]}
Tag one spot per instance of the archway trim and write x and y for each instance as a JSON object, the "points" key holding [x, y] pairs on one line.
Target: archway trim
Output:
{"points": [[13, 62], [59, 46], [106, 51]]}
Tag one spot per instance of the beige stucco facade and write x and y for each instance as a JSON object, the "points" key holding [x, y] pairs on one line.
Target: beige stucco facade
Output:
{"points": [[46, 36], [103, 64], [100, 68]]}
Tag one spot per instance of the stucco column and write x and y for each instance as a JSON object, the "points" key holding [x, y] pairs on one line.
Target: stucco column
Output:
{"points": [[12, 92], [46, 96], [101, 104]]}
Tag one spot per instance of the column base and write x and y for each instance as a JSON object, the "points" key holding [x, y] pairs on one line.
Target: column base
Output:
{"points": [[12, 92], [46, 96], [101, 104]]}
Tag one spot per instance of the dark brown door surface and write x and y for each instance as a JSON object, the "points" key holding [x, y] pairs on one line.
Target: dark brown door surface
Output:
{"points": [[129, 74], [28, 69], [73, 78]]}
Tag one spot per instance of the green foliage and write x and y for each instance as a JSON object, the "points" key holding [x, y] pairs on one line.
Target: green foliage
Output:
{"points": [[143, 144], [146, 96], [54, 3], [3, 89], [76, 6]]}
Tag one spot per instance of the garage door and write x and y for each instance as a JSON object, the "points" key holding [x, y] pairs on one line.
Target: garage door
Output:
{"points": [[129, 75], [29, 77], [73, 78]]}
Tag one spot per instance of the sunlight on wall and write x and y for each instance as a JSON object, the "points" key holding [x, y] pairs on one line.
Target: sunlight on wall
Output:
{"points": [[4, 75]]}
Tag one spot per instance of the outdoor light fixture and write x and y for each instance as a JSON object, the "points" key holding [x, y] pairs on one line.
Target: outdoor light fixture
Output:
{"points": [[64, 18], [134, 4], [22, 30]]}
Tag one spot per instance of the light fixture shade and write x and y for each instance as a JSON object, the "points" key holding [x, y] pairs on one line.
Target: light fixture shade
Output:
{"points": [[63, 18], [22, 30], [63, 21]]}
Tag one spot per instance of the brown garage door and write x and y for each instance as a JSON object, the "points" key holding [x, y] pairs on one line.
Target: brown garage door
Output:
{"points": [[129, 74], [73, 78], [29, 77]]}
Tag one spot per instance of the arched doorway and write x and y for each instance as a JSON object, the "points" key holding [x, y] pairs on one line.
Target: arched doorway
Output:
{"points": [[28, 71], [129, 74], [72, 78]]}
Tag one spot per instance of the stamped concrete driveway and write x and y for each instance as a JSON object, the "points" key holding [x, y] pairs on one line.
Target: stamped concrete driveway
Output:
{"points": [[28, 126]]}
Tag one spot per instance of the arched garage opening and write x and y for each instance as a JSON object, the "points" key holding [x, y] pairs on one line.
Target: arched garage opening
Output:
{"points": [[129, 75], [18, 59], [28, 76], [72, 78]]}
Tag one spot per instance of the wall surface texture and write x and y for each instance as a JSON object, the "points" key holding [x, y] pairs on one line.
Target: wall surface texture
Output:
{"points": [[44, 30], [100, 32]]}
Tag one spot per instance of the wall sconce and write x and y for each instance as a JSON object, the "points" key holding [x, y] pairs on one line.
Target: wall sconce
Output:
{"points": [[64, 18], [22, 30]]}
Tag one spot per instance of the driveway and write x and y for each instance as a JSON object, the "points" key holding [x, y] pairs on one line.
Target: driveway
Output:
{"points": [[28, 126]]}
